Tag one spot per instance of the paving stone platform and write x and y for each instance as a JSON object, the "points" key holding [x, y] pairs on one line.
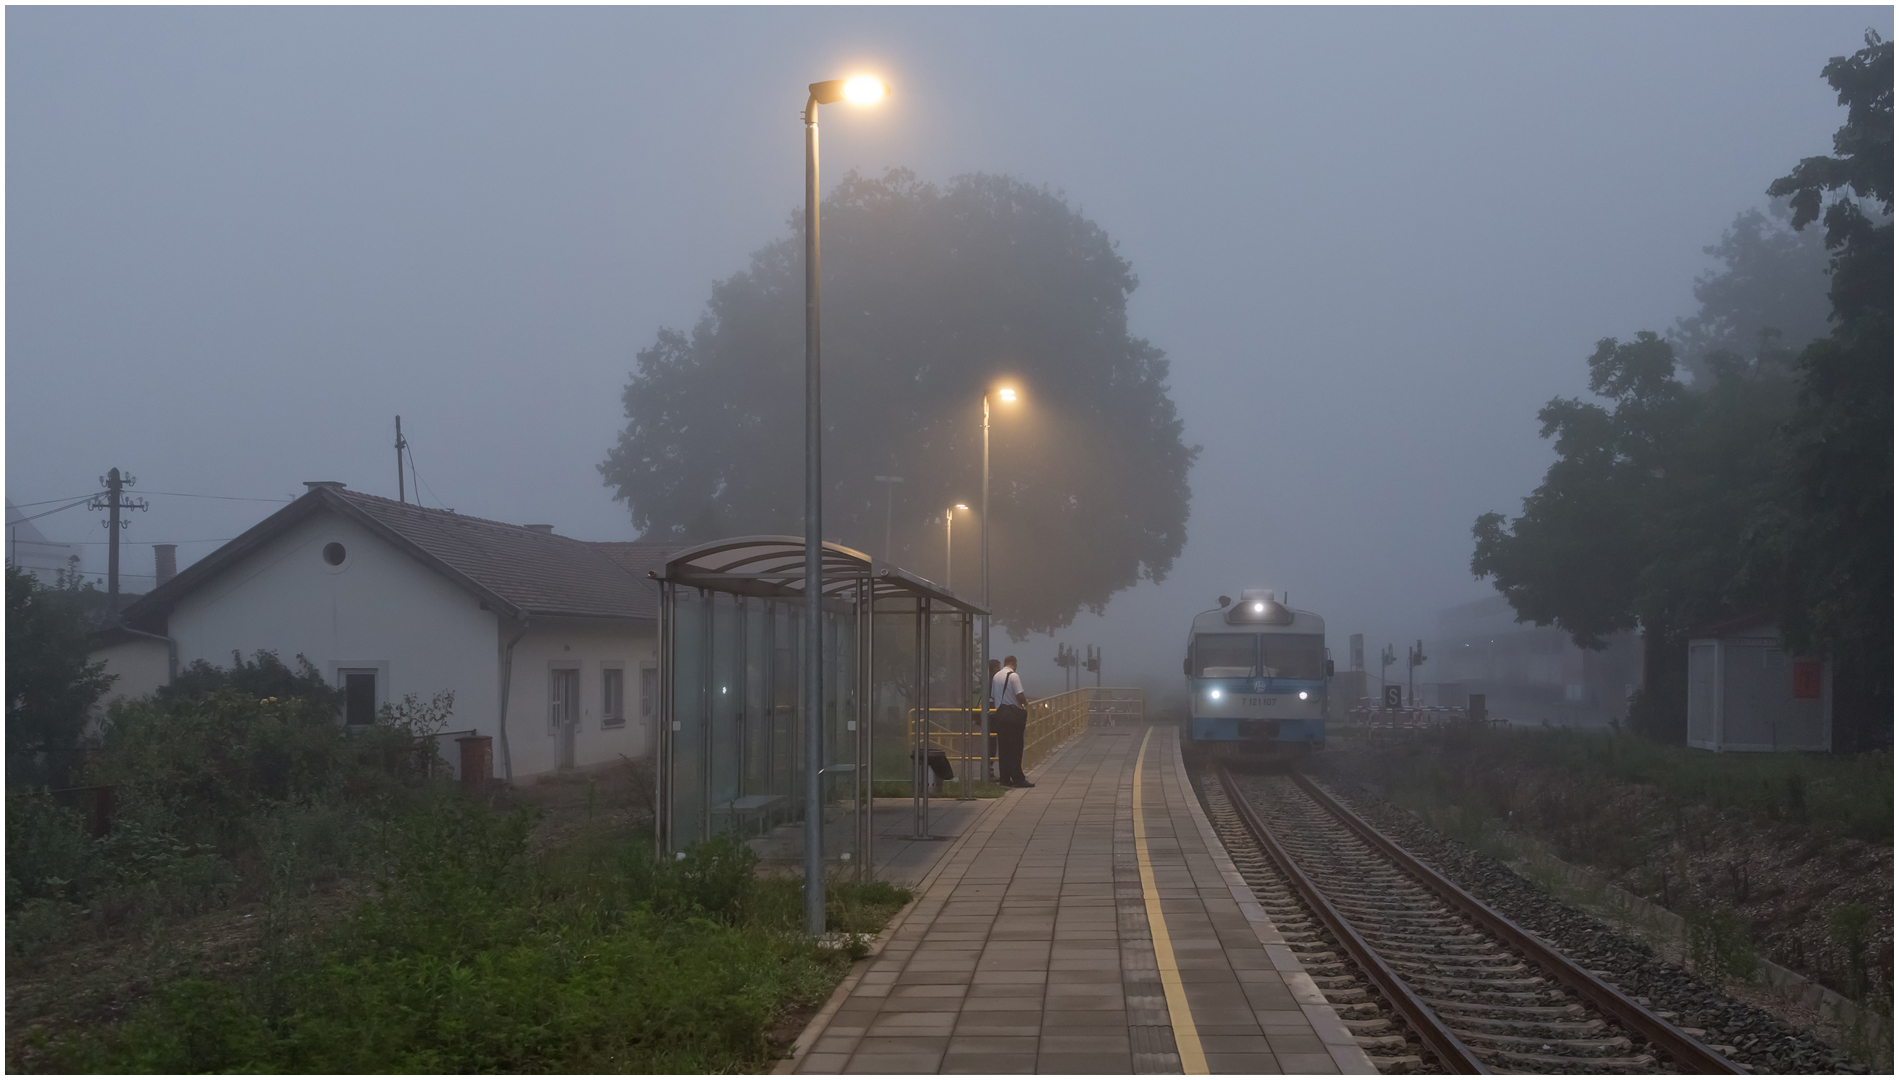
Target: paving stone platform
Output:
{"points": [[1030, 948]]}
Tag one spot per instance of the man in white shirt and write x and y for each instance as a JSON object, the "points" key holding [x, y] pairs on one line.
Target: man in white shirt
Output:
{"points": [[1012, 721]]}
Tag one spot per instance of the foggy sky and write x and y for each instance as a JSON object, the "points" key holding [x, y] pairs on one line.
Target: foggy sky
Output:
{"points": [[1373, 242]]}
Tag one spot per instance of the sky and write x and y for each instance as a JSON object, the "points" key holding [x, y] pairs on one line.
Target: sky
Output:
{"points": [[1373, 242]]}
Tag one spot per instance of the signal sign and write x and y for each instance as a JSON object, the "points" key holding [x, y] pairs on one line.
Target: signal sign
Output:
{"points": [[1394, 697]]}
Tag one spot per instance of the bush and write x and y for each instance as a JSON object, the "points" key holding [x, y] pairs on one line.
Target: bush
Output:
{"points": [[263, 676]]}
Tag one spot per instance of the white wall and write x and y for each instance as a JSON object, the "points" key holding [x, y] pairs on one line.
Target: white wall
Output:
{"points": [[590, 648], [142, 666], [380, 609]]}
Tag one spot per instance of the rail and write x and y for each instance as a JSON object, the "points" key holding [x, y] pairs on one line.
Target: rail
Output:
{"points": [[1052, 722], [1688, 1052], [1451, 1051]]}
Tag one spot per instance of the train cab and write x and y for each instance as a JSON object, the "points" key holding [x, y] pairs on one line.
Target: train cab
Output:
{"points": [[1256, 677]]}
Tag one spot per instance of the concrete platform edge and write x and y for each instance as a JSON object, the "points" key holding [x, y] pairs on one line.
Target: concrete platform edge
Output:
{"points": [[1338, 1041]]}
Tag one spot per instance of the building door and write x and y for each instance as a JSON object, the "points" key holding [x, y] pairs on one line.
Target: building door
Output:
{"points": [[563, 713]]}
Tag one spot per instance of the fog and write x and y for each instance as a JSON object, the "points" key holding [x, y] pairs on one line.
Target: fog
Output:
{"points": [[1373, 242]]}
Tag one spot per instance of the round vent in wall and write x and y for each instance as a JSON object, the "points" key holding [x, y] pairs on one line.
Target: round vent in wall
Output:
{"points": [[334, 554]]}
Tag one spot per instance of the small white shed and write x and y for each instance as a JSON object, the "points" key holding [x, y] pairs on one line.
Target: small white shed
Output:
{"points": [[1746, 693]]}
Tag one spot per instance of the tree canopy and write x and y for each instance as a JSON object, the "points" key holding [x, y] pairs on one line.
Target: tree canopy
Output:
{"points": [[1770, 290], [932, 295], [1640, 519], [1829, 550]]}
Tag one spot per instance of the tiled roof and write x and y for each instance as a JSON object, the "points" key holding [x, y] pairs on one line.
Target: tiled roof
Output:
{"points": [[637, 557], [539, 572], [515, 570]]}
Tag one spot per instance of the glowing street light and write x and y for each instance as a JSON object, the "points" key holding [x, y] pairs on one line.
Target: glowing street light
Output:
{"points": [[861, 90], [949, 562]]}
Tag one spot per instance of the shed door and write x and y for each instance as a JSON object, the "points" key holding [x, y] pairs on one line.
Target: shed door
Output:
{"points": [[1701, 694]]}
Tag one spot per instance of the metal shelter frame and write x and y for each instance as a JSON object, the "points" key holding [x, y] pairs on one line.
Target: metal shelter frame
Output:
{"points": [[731, 696]]}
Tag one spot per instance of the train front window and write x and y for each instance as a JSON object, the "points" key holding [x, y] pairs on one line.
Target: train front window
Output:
{"points": [[1293, 656], [1223, 656]]}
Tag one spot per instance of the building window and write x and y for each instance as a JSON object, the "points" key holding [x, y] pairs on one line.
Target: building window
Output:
{"points": [[334, 554], [359, 697], [612, 697], [649, 692]]}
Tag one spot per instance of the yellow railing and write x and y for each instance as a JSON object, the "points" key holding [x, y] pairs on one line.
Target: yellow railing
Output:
{"points": [[1053, 721]]}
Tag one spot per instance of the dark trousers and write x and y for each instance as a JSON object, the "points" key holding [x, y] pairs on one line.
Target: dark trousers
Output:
{"points": [[1011, 724]]}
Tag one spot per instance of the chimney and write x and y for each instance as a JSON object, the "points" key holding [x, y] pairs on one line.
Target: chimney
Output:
{"points": [[167, 556], [333, 485], [547, 529]]}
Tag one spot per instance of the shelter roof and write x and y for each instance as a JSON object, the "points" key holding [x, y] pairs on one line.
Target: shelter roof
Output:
{"points": [[774, 566]]}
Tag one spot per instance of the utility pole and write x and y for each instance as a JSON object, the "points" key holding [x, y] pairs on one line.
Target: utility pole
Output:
{"points": [[402, 494], [113, 502], [1411, 677], [1093, 663], [890, 497]]}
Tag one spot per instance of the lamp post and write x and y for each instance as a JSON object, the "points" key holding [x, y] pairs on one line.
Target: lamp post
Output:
{"points": [[861, 90], [949, 544], [890, 500], [1006, 394]]}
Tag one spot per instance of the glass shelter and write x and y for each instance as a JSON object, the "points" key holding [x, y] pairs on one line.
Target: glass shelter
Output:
{"points": [[898, 650]]}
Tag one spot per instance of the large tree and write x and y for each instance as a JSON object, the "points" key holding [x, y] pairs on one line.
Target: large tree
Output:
{"points": [[1830, 553], [1639, 522], [931, 295], [1768, 482], [52, 680]]}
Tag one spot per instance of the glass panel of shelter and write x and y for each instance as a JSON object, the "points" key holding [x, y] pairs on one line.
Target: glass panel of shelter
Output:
{"points": [[733, 753]]}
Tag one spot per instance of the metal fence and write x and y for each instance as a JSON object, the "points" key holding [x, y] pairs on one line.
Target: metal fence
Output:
{"points": [[1052, 722]]}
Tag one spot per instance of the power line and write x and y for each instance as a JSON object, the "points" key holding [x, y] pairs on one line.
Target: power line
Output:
{"points": [[43, 502], [55, 510], [232, 498], [421, 483], [83, 573], [207, 540]]}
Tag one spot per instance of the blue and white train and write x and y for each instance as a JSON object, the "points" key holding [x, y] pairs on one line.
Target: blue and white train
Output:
{"points": [[1256, 678]]}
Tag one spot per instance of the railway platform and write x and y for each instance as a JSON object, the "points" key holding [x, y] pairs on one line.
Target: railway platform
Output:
{"points": [[1091, 924]]}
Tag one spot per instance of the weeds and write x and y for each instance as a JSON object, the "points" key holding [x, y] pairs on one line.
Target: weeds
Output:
{"points": [[463, 950], [1851, 929], [475, 957], [1719, 942]]}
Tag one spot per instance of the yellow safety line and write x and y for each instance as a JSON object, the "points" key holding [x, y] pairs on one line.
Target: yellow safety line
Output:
{"points": [[1193, 1060]]}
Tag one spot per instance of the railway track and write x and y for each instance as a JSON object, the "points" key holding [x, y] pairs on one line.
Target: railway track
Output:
{"points": [[1427, 976]]}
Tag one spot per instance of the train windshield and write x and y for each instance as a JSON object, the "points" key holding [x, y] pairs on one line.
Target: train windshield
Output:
{"points": [[1223, 656], [1293, 656]]}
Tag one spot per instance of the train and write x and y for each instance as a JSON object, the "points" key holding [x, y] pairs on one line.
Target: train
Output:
{"points": [[1256, 679]]}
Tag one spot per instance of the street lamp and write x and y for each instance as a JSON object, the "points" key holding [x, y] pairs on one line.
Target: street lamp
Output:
{"points": [[1007, 395], [862, 90], [890, 500], [949, 544]]}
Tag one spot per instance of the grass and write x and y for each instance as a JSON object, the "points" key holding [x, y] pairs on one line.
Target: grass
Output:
{"points": [[1559, 781], [474, 956]]}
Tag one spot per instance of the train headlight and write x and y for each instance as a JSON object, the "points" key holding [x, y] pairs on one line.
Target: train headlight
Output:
{"points": [[1213, 694], [1302, 695], [1259, 609]]}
